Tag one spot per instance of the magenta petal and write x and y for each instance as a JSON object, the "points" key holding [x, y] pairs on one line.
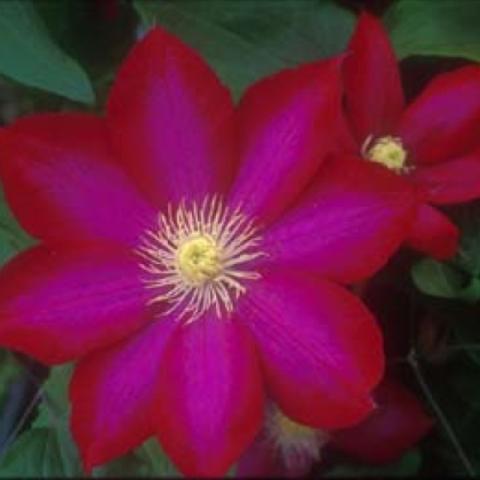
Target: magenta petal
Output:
{"points": [[113, 395], [287, 123], [171, 120], [450, 182], [321, 349], [444, 121], [57, 306], [374, 95], [210, 397], [350, 222], [62, 183]]}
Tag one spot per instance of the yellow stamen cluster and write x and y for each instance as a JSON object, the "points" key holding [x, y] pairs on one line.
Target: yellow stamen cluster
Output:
{"points": [[197, 257], [388, 151]]}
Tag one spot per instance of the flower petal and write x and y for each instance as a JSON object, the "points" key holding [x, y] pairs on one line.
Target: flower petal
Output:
{"points": [[321, 349], [374, 94], [444, 121], [434, 234], [450, 182], [397, 424], [57, 305], [348, 224], [171, 120], [210, 402], [113, 395], [287, 123], [62, 183]]}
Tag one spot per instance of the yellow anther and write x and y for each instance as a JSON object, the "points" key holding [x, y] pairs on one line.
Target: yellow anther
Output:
{"points": [[388, 151], [198, 259]]}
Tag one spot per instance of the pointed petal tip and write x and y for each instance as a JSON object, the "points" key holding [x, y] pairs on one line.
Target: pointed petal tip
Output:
{"points": [[374, 94], [170, 88]]}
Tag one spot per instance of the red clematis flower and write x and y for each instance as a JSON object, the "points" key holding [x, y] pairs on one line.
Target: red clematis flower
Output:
{"points": [[287, 449], [189, 259], [433, 142]]}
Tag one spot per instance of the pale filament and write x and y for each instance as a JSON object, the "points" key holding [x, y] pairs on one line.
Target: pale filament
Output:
{"points": [[197, 257]]}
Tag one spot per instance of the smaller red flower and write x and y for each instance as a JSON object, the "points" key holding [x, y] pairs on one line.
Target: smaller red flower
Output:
{"points": [[434, 142], [285, 448]]}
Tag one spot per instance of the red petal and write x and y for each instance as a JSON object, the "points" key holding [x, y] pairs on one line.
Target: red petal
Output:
{"points": [[450, 182], [57, 306], [397, 424], [434, 234], [348, 225], [444, 121], [171, 120], [374, 92], [210, 402], [62, 183], [321, 349], [113, 392], [287, 124]]}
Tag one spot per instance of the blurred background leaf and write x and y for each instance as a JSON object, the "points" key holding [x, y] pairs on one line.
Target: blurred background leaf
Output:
{"points": [[245, 40], [12, 238], [435, 27], [46, 448], [28, 54], [35, 454], [437, 279]]}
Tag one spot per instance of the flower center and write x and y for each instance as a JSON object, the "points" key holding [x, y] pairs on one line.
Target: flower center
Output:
{"points": [[198, 258], [388, 151]]}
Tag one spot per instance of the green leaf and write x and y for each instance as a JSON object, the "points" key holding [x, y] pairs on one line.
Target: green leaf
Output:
{"points": [[247, 40], [407, 466], [159, 462], [130, 466], [53, 416], [12, 238], [467, 217], [55, 406], [439, 28], [35, 454], [146, 461], [437, 279], [10, 370], [54, 411], [29, 56]]}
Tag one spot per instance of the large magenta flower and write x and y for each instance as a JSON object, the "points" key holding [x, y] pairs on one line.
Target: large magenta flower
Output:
{"points": [[187, 266], [434, 142], [287, 449]]}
